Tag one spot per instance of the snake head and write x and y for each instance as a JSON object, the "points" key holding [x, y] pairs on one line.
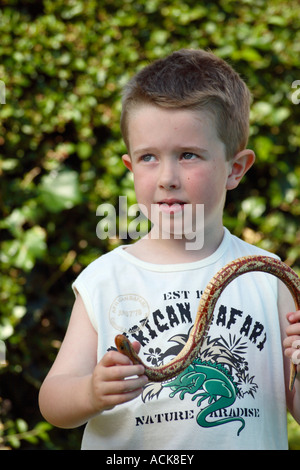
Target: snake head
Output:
{"points": [[125, 347], [123, 344]]}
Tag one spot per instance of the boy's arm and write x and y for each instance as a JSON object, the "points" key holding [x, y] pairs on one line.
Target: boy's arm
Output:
{"points": [[77, 388], [290, 332]]}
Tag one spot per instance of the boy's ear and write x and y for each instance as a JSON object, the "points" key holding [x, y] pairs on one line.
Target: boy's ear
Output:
{"points": [[127, 161], [239, 165]]}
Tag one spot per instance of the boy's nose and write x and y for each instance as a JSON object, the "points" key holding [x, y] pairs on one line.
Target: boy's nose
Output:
{"points": [[169, 176]]}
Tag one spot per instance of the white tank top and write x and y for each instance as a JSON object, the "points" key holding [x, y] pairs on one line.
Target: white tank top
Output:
{"points": [[232, 397]]}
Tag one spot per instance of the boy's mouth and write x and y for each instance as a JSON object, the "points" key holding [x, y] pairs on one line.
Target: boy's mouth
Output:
{"points": [[171, 205]]}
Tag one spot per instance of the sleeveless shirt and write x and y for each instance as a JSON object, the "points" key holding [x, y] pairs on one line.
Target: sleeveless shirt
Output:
{"points": [[232, 396]]}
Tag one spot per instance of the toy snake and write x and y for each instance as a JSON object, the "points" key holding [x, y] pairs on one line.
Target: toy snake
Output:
{"points": [[205, 314]]}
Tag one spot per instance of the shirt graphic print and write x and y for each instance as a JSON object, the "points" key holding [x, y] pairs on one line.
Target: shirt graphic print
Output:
{"points": [[219, 378]]}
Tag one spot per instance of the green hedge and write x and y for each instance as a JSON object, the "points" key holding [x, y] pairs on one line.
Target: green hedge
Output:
{"points": [[63, 63]]}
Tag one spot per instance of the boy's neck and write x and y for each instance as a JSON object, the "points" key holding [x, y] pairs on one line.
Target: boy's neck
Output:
{"points": [[174, 251]]}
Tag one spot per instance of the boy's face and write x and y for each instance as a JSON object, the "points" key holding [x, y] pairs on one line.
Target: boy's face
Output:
{"points": [[177, 159]]}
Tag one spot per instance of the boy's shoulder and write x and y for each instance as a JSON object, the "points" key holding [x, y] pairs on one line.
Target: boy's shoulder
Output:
{"points": [[243, 248], [103, 263]]}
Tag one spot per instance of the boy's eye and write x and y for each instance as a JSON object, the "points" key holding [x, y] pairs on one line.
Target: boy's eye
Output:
{"points": [[189, 156], [148, 158]]}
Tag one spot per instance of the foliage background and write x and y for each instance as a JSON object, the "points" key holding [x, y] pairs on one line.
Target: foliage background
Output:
{"points": [[64, 63]]}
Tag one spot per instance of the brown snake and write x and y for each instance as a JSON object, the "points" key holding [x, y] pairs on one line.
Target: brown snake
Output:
{"points": [[205, 314]]}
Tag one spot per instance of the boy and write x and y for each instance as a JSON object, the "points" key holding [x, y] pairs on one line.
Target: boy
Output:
{"points": [[185, 124]]}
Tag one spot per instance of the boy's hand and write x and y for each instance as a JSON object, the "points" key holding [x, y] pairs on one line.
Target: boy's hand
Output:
{"points": [[292, 341], [116, 380]]}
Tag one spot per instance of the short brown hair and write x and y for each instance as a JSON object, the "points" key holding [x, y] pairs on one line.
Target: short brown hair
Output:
{"points": [[196, 80]]}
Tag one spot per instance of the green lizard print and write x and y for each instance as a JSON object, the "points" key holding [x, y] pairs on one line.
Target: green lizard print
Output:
{"points": [[205, 380]]}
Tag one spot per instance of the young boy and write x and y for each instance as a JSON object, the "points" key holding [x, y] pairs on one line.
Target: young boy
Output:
{"points": [[185, 124]]}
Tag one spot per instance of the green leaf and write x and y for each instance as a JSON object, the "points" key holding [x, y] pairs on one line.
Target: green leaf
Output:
{"points": [[24, 251], [84, 150], [60, 190], [21, 425], [13, 441], [254, 207]]}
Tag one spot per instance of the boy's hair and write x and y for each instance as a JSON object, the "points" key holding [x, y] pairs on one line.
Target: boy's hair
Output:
{"points": [[194, 80]]}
